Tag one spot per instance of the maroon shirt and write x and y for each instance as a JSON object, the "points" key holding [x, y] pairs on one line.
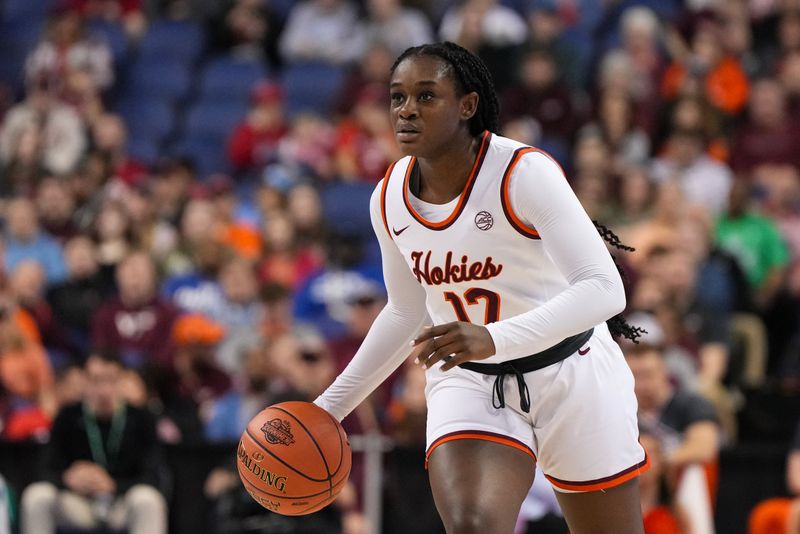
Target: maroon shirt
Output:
{"points": [[757, 145], [141, 334]]}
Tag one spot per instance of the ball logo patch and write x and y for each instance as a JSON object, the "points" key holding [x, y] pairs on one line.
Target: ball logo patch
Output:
{"points": [[278, 431], [484, 220]]}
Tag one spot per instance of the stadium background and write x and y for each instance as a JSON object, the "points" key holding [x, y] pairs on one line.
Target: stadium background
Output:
{"points": [[236, 144]]}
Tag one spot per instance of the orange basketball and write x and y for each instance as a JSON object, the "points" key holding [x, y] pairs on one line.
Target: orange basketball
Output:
{"points": [[294, 458]]}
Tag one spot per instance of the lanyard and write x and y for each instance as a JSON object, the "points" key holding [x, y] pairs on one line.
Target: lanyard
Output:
{"points": [[96, 439]]}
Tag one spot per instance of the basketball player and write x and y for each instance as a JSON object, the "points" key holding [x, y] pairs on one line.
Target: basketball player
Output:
{"points": [[484, 235]]}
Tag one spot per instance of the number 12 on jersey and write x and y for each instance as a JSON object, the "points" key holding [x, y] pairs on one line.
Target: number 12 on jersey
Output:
{"points": [[472, 296]]}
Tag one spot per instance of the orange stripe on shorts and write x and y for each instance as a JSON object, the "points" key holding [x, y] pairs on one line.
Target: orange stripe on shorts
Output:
{"points": [[603, 483], [482, 435]]}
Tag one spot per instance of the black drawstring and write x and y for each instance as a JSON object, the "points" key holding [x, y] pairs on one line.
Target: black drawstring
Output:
{"points": [[524, 395]]}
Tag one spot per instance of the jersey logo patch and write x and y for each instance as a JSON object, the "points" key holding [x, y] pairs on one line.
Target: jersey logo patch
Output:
{"points": [[400, 231], [484, 220]]}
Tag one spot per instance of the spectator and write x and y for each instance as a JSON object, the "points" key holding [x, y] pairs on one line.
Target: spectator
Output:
{"points": [[44, 130], [278, 318], [254, 141], [170, 188], [636, 197], [198, 291], [129, 13], [756, 243], [199, 223], [769, 136], [629, 144], [198, 377], [593, 172], [719, 76], [66, 49], [789, 76], [309, 146], [304, 208], [285, 260], [365, 140], [491, 29], [113, 235], [70, 385], [235, 232], [230, 413], [109, 138], [91, 482], [694, 113], [685, 425], [24, 240], [396, 26], [373, 70], [75, 299], [540, 94], [781, 515], [661, 514], [705, 182], [55, 205], [26, 377], [323, 299], [138, 321], [5, 507], [546, 31], [247, 29], [26, 285], [323, 30]]}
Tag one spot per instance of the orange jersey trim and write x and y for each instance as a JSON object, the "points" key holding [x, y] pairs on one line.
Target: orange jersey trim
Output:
{"points": [[482, 435], [603, 483], [505, 198], [462, 201], [384, 188]]}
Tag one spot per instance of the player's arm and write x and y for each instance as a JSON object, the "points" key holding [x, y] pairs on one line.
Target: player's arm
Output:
{"points": [[700, 444], [387, 344], [543, 199], [541, 196]]}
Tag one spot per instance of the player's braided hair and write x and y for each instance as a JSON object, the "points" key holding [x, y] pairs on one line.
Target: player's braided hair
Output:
{"points": [[470, 74], [617, 325]]}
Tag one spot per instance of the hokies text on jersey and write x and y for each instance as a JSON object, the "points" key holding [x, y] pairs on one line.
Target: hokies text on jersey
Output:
{"points": [[450, 272]]}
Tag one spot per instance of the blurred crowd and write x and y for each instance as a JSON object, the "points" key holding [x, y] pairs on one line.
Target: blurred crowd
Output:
{"points": [[223, 278]]}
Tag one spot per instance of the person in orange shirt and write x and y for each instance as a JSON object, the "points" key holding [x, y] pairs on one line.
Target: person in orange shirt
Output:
{"points": [[721, 78], [661, 514], [26, 377], [781, 515]]}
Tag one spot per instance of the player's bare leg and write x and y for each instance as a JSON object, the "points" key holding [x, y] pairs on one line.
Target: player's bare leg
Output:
{"points": [[479, 485], [615, 510]]}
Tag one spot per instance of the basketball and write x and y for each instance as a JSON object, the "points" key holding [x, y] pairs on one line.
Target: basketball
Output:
{"points": [[294, 458]]}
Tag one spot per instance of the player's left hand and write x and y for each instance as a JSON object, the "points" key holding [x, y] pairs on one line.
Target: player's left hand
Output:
{"points": [[453, 343]]}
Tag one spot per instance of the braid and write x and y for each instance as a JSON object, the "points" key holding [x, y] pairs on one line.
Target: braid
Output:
{"points": [[617, 325], [471, 75]]}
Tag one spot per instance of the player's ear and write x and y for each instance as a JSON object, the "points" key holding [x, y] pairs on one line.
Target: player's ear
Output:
{"points": [[469, 105]]}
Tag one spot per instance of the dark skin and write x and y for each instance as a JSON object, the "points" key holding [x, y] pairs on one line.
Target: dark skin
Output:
{"points": [[478, 485]]}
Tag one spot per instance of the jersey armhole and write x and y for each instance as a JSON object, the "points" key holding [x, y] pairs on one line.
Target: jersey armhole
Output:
{"points": [[384, 189], [505, 196]]}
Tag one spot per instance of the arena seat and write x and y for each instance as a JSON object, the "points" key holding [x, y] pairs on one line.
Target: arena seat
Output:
{"points": [[311, 87], [346, 208], [228, 77], [112, 33], [25, 9], [147, 118], [158, 77], [180, 40]]}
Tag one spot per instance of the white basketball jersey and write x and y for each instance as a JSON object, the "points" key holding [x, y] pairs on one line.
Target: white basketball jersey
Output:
{"points": [[482, 263]]}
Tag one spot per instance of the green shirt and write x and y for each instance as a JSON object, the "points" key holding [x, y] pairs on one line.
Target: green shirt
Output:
{"points": [[756, 244]]}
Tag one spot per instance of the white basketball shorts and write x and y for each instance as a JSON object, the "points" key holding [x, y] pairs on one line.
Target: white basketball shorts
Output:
{"points": [[581, 429]]}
